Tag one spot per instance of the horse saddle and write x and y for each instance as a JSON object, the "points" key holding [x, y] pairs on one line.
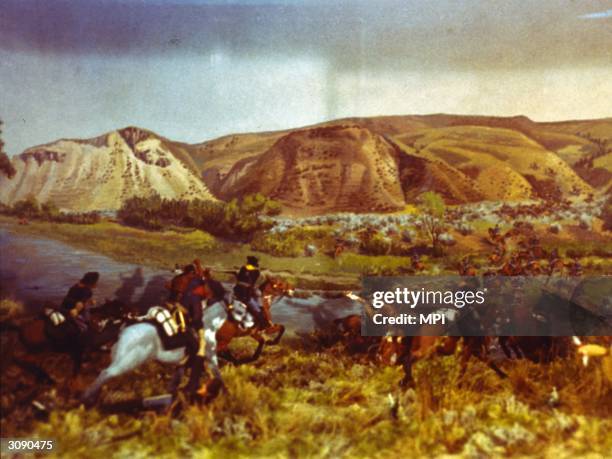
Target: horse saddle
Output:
{"points": [[170, 326], [54, 316]]}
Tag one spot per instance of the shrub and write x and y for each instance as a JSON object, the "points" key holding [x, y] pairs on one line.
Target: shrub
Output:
{"points": [[294, 242], [27, 208], [433, 209], [375, 244], [238, 219]]}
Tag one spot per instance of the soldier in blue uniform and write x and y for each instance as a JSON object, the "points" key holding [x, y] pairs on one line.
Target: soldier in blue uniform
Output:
{"points": [[246, 291]]}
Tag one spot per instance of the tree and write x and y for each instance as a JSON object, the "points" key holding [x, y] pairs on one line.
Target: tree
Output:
{"points": [[432, 207], [50, 210], [27, 208], [6, 167], [243, 217]]}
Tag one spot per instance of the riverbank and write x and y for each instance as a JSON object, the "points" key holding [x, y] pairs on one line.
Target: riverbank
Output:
{"points": [[163, 249], [319, 272]]}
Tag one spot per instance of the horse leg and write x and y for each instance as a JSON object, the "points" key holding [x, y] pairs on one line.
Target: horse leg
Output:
{"points": [[123, 362], [407, 381], [261, 342], [518, 351], [281, 331], [77, 360], [504, 344], [211, 356], [40, 374], [465, 357], [177, 377], [225, 354], [479, 348], [91, 394], [493, 366]]}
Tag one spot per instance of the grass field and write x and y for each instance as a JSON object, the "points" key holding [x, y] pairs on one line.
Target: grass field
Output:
{"points": [[300, 400], [304, 400]]}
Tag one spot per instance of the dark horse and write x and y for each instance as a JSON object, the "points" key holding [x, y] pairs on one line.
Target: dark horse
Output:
{"points": [[271, 289], [42, 335]]}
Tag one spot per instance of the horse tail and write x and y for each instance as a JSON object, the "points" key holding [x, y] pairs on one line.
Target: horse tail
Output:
{"points": [[24, 332]]}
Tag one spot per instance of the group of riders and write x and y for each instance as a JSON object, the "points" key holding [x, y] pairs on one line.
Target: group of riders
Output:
{"points": [[188, 289]]}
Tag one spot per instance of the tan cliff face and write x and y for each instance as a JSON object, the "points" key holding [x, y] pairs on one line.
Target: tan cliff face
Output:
{"points": [[101, 173]]}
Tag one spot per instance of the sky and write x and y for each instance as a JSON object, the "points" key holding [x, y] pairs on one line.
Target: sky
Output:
{"points": [[193, 70]]}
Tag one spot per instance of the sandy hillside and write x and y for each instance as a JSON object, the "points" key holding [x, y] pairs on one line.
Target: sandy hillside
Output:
{"points": [[101, 173]]}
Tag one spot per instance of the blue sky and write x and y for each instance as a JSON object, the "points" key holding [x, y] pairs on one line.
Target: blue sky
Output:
{"points": [[195, 70]]}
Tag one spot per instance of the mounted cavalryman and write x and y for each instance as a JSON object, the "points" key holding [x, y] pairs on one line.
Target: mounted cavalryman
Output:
{"points": [[76, 304], [191, 300], [216, 289], [178, 284], [247, 292]]}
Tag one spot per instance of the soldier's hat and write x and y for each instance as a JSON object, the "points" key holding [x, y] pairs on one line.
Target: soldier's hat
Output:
{"points": [[252, 260], [90, 278]]}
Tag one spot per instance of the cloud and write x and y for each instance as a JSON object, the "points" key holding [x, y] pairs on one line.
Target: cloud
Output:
{"points": [[597, 15]]}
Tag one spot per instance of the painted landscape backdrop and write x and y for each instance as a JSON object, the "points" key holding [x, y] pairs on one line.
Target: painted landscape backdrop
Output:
{"points": [[376, 164]]}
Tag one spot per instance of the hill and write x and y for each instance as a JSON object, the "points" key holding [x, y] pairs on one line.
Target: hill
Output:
{"points": [[100, 173], [336, 168], [502, 164], [353, 164]]}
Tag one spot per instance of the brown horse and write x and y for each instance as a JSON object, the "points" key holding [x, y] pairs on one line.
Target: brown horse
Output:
{"points": [[498, 254], [406, 350], [271, 288], [338, 250], [416, 264], [467, 268], [511, 268], [349, 329], [555, 265], [495, 235], [40, 335], [538, 349]]}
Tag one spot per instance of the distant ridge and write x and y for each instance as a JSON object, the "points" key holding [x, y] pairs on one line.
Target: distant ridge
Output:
{"points": [[357, 164]]}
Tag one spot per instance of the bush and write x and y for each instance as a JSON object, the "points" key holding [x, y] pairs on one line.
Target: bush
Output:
{"points": [[27, 208], [286, 246], [238, 219], [294, 242], [243, 217], [375, 244], [48, 211]]}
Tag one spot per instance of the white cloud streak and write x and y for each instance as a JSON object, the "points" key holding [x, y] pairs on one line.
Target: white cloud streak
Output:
{"points": [[597, 15]]}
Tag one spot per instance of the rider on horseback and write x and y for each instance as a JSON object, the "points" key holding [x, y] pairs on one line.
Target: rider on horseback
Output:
{"points": [[178, 284], [246, 291], [216, 289], [75, 306], [191, 300]]}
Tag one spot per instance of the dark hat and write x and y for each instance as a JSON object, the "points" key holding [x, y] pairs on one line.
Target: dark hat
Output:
{"points": [[90, 278], [252, 260]]}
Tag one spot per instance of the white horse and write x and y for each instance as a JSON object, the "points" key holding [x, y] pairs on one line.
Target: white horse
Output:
{"points": [[140, 343]]}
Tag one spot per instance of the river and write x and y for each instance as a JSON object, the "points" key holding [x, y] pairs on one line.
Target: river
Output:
{"points": [[35, 270]]}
